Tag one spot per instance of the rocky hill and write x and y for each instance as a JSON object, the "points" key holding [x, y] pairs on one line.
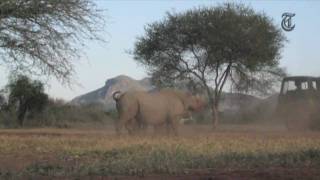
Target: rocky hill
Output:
{"points": [[103, 95]]}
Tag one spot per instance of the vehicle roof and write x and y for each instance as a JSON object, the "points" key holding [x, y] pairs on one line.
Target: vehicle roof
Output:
{"points": [[302, 78]]}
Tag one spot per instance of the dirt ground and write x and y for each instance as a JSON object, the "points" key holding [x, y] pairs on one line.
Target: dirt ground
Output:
{"points": [[254, 174], [17, 162], [263, 174]]}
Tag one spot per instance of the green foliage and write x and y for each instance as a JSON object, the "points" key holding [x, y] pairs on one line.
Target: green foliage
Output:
{"points": [[2, 101], [64, 115], [58, 113], [26, 96], [8, 118], [211, 39]]}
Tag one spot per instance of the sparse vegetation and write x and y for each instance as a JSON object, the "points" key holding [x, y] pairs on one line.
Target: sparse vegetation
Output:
{"points": [[62, 115], [62, 153]]}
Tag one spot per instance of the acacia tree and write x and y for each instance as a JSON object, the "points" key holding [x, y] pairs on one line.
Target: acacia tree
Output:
{"points": [[26, 95], [44, 37], [214, 45]]}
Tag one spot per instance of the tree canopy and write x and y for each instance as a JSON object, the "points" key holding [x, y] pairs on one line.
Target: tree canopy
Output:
{"points": [[26, 95], [213, 45], [44, 37]]}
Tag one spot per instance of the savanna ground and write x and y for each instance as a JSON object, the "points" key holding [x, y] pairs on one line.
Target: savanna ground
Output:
{"points": [[231, 152]]}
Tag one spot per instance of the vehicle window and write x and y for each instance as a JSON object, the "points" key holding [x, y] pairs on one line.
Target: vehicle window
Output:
{"points": [[304, 85], [295, 86], [313, 85], [288, 86], [318, 85]]}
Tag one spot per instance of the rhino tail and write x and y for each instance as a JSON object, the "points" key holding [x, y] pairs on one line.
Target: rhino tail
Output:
{"points": [[116, 95]]}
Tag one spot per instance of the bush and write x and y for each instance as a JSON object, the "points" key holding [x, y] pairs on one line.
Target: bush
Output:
{"points": [[60, 114], [65, 115], [8, 119]]}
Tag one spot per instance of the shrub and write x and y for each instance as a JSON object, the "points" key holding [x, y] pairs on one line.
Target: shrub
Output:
{"points": [[60, 114]]}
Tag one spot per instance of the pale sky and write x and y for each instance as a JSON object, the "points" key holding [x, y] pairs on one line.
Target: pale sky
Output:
{"points": [[126, 21]]}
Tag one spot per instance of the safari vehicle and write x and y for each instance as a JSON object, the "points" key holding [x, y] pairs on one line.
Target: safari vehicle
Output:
{"points": [[298, 102]]}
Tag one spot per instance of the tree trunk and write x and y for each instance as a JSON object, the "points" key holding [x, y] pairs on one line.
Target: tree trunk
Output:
{"points": [[215, 117], [214, 109], [21, 118], [214, 113], [21, 114]]}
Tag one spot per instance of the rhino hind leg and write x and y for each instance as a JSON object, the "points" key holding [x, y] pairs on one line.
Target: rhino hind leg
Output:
{"points": [[131, 126], [125, 121], [135, 126]]}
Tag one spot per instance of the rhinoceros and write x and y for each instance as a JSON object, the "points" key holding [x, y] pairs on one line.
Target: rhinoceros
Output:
{"points": [[163, 108]]}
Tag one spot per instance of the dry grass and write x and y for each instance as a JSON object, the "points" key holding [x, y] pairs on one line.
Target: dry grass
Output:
{"points": [[84, 152]]}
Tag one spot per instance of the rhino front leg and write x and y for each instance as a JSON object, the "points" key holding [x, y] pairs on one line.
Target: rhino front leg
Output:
{"points": [[173, 124]]}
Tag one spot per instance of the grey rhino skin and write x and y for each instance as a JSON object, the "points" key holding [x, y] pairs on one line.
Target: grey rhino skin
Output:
{"points": [[163, 108]]}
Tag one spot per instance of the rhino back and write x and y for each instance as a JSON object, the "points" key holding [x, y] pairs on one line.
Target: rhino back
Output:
{"points": [[153, 108], [160, 106]]}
